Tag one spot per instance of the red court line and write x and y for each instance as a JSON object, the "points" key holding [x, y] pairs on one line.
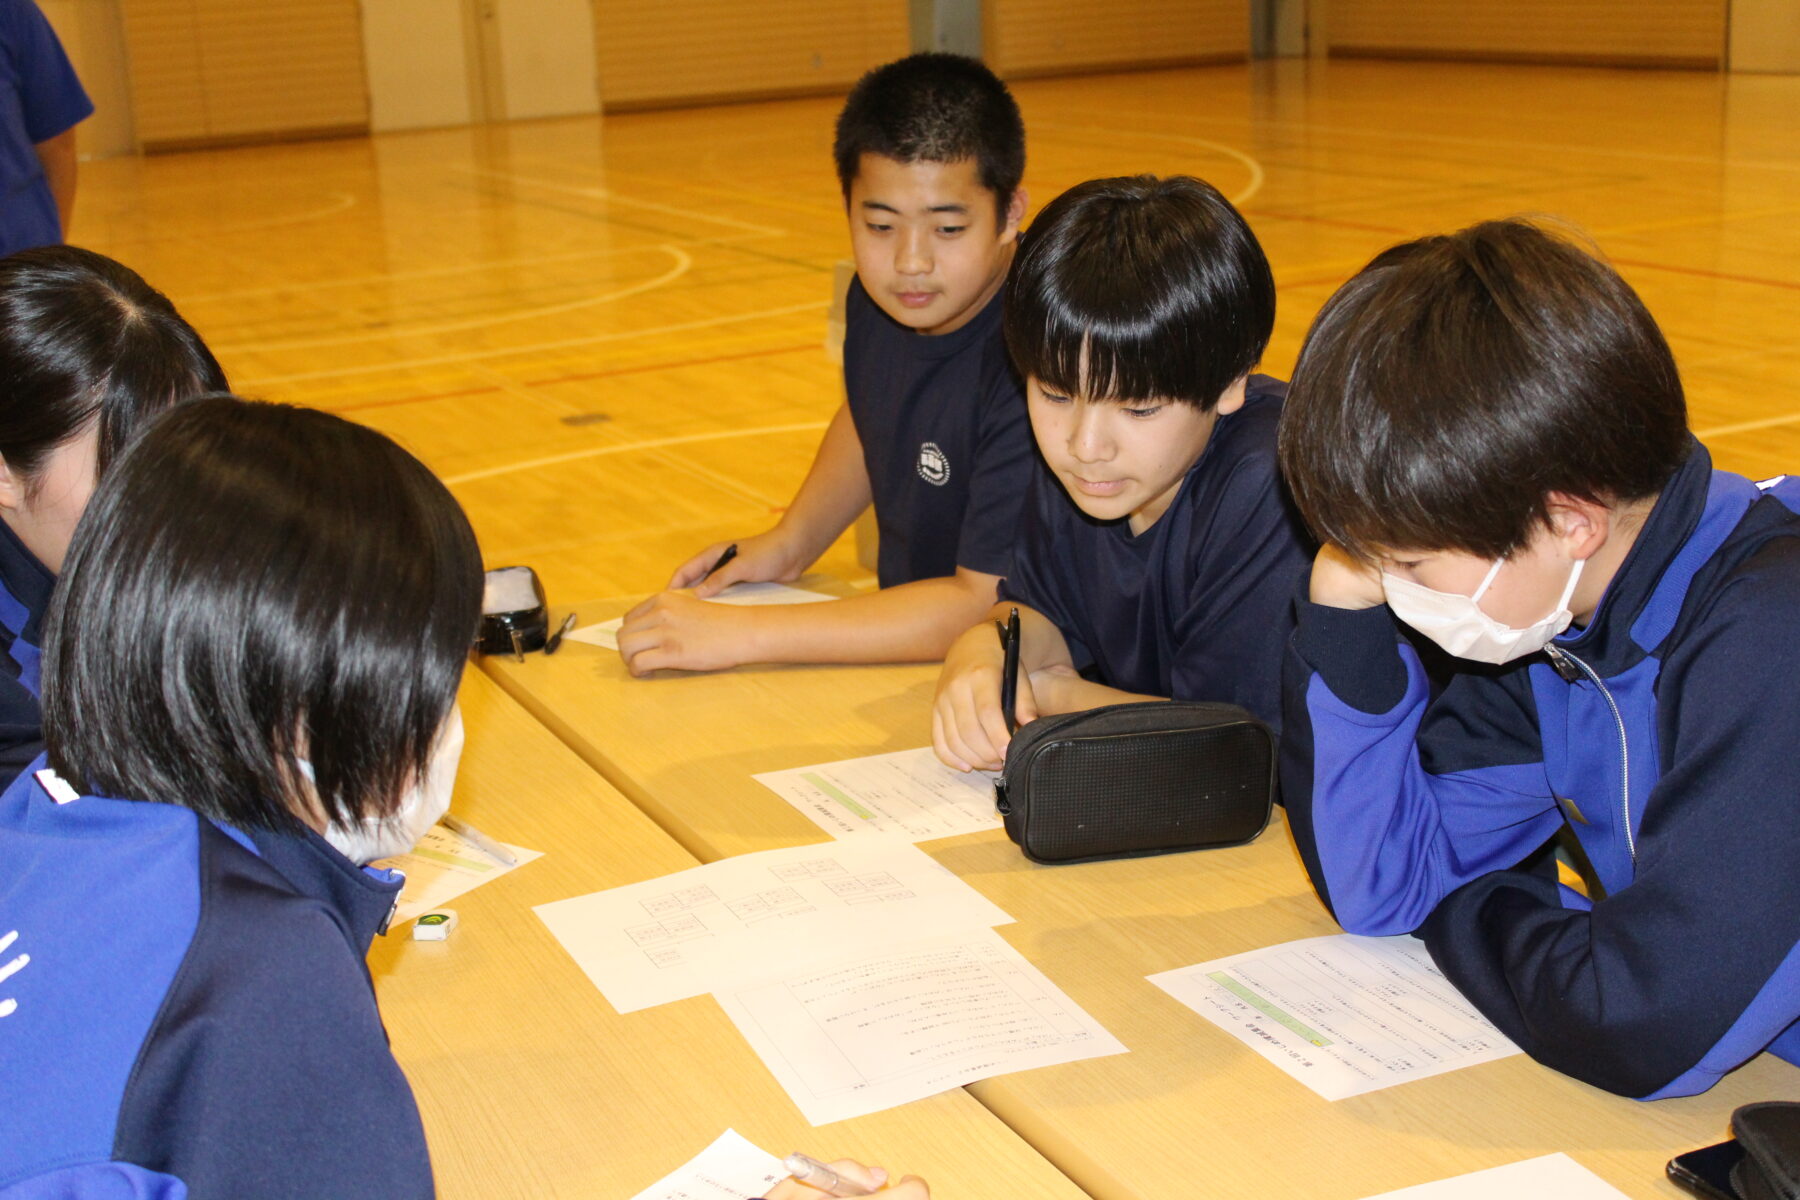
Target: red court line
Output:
{"points": [[1703, 273], [639, 370]]}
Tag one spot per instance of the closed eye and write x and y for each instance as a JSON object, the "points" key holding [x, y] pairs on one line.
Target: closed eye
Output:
{"points": [[1145, 412]]}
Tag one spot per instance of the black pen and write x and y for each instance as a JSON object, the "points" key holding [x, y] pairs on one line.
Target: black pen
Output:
{"points": [[730, 553], [557, 637], [1009, 685]]}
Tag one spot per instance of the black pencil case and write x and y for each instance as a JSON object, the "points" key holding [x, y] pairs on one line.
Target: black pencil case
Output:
{"points": [[1770, 1135], [1127, 780], [515, 617]]}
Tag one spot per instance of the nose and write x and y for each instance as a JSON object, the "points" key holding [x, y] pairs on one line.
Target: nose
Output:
{"points": [[1089, 442], [912, 253]]}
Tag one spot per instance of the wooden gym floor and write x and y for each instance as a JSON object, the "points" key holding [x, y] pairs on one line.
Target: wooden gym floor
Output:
{"points": [[607, 334]]}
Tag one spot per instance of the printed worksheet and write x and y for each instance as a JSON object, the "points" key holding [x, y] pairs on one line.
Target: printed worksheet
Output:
{"points": [[908, 793], [1552, 1177], [606, 633], [443, 866], [1342, 1014], [732, 1168], [880, 1028], [718, 925]]}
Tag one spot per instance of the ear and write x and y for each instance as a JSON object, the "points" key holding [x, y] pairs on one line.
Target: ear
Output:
{"points": [[1015, 214], [1579, 526], [12, 487], [1232, 398]]}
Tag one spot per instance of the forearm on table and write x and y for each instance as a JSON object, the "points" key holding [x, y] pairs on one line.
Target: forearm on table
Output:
{"points": [[914, 622]]}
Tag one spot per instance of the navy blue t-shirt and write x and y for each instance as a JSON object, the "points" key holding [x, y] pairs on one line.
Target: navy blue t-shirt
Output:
{"points": [[25, 585], [40, 97], [1197, 607], [945, 436]]}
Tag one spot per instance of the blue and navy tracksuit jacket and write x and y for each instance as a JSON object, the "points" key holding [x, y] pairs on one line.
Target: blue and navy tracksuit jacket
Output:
{"points": [[25, 586], [1663, 735], [185, 1011]]}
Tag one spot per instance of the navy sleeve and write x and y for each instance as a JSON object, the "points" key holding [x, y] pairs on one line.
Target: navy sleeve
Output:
{"points": [[1042, 573], [51, 97], [1229, 641], [1005, 458], [1693, 967], [267, 1072], [1396, 800]]}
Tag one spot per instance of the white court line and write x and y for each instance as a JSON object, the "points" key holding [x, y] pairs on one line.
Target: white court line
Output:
{"points": [[817, 306], [629, 447], [341, 201], [1256, 170], [612, 197], [683, 263], [470, 268], [1747, 426]]}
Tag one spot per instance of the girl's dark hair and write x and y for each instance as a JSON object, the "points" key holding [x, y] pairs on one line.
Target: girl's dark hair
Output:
{"points": [[84, 337], [1455, 382], [252, 584], [938, 108], [1133, 288]]}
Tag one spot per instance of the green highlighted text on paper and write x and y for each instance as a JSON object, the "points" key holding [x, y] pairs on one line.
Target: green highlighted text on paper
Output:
{"points": [[1261, 1005], [824, 785]]}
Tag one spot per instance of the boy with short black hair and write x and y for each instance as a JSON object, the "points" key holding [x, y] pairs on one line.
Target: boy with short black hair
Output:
{"points": [[1487, 428], [1157, 554], [929, 150]]}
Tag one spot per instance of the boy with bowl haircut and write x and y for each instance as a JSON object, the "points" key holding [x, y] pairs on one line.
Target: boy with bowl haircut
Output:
{"points": [[1157, 554], [1487, 428], [929, 152]]}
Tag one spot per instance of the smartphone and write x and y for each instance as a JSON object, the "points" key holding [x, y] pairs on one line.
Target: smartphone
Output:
{"points": [[1707, 1172]]}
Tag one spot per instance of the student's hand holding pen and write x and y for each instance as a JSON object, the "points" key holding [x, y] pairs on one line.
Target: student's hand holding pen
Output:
{"points": [[968, 720], [853, 1179], [772, 557]]}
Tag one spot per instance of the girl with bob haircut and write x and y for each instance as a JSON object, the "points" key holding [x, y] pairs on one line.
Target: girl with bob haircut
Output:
{"points": [[249, 691], [88, 352]]}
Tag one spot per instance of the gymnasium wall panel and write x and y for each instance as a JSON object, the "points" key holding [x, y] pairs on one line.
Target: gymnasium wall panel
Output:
{"points": [[1044, 37], [1688, 33], [680, 50], [228, 70]]}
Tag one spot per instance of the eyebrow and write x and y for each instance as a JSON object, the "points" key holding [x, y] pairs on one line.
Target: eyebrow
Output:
{"points": [[936, 208]]}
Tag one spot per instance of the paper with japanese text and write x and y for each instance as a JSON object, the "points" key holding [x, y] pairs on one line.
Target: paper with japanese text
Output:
{"points": [[718, 925], [883, 1027], [442, 866], [732, 1168], [1343, 1014], [908, 793], [1552, 1177]]}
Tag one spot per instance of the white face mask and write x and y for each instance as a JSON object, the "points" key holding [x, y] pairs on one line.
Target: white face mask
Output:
{"points": [[419, 809], [1457, 623]]}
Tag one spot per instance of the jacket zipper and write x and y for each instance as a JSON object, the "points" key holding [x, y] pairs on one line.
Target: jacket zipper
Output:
{"points": [[1559, 656]]}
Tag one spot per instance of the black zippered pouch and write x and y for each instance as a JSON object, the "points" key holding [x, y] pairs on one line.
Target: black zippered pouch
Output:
{"points": [[1770, 1135], [1127, 780]]}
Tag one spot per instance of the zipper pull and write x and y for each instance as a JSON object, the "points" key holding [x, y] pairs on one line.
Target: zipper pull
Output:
{"points": [[1564, 665]]}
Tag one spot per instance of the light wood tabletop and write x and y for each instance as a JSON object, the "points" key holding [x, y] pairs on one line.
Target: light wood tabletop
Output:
{"points": [[529, 1082], [1190, 1111]]}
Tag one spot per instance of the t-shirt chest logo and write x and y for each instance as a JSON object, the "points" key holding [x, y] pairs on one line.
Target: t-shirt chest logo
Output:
{"points": [[934, 465]]}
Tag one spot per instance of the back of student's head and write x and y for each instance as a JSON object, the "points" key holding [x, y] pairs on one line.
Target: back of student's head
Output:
{"points": [[1452, 385], [1137, 288], [938, 108], [254, 584], [85, 339]]}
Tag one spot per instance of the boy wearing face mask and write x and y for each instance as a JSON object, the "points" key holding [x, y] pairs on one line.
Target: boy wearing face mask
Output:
{"points": [[1488, 431]]}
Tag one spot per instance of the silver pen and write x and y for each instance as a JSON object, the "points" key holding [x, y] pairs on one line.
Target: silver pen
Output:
{"points": [[813, 1173], [481, 841]]}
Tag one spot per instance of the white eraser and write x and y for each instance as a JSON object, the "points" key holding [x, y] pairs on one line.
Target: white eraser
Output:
{"points": [[434, 926]]}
